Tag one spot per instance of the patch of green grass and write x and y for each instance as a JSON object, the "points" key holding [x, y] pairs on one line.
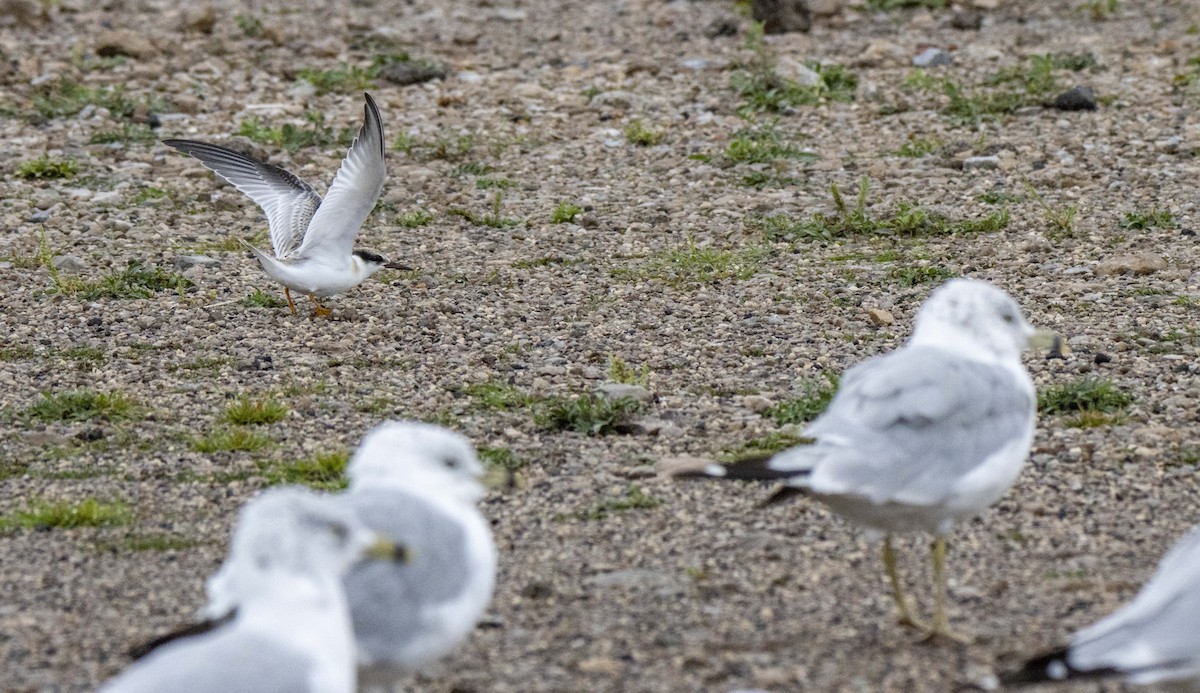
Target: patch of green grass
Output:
{"points": [[589, 414], [46, 168], [908, 219], [414, 218], [471, 168], [493, 219], [324, 471], [251, 26], [1090, 418], [763, 145], [911, 276], [763, 179], [247, 411], [763, 446], [621, 372], [1030, 84], [1060, 219], [565, 213], [1074, 62], [18, 352], [502, 458], [1149, 219], [65, 97], [148, 193], [492, 183], [816, 396], [637, 133], [544, 261], [634, 499], [694, 265], [917, 147], [128, 133], [292, 137], [498, 396], [82, 405], [999, 197], [450, 149], [260, 299], [1086, 394], [762, 88], [234, 439], [1099, 10], [89, 512], [155, 541], [344, 79], [232, 244], [135, 281]]}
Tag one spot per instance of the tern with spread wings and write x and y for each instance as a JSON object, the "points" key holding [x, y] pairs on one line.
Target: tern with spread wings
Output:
{"points": [[313, 238]]}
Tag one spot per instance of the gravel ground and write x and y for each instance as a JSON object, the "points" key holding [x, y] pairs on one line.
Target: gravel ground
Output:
{"points": [[703, 590]]}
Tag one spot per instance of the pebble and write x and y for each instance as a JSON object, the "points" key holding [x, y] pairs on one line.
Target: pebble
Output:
{"points": [[757, 403], [1076, 99], [880, 317], [981, 163], [185, 262], [412, 72], [932, 57], [1137, 264], [781, 16], [621, 390], [133, 44], [68, 263], [798, 72]]}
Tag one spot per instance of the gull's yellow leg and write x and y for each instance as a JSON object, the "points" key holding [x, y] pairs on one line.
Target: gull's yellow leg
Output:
{"points": [[288, 292], [320, 309], [941, 624], [889, 563]]}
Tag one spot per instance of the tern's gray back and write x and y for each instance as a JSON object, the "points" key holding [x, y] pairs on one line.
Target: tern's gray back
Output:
{"points": [[920, 419], [225, 661], [386, 599]]}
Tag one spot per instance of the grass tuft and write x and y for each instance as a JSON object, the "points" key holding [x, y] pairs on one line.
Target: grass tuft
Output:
{"points": [[502, 458], [498, 396], [235, 439], [252, 412], [762, 88], [589, 414], [815, 398], [82, 405], [764, 446], [90, 512], [414, 218], [637, 133], [634, 499], [565, 213], [1087, 394], [260, 299], [45, 168], [324, 471], [293, 137], [695, 265], [1149, 219]]}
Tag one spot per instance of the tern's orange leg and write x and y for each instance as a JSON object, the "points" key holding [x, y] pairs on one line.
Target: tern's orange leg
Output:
{"points": [[288, 292], [320, 309]]}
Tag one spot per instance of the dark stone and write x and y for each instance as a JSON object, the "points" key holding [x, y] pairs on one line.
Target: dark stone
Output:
{"points": [[1076, 99], [95, 321], [1102, 357], [90, 435], [781, 16], [412, 72], [968, 19]]}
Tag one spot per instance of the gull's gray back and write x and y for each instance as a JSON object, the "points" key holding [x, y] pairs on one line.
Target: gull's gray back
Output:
{"points": [[909, 425], [387, 600], [227, 661]]}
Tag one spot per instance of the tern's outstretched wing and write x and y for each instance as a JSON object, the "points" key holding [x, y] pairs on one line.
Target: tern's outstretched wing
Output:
{"points": [[353, 192], [288, 201]]}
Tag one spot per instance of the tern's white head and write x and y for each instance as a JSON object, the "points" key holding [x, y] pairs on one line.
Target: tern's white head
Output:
{"points": [[419, 456], [975, 318], [369, 263]]}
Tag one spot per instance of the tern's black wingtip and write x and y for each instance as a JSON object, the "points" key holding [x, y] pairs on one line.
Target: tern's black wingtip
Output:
{"points": [[1050, 667]]}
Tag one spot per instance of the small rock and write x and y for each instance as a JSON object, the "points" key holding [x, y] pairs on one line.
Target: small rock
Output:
{"points": [[642, 471], [1102, 357], [633, 577], [67, 263], [967, 19], [1076, 99], [620, 390], [124, 42], [781, 16], [40, 216], [106, 197], [413, 72], [1170, 145], [880, 317], [90, 435], [932, 57], [601, 665], [757, 403], [201, 19], [1136, 264], [798, 72], [880, 52], [509, 14], [825, 8], [185, 262], [6, 265], [643, 427], [981, 163], [529, 90]]}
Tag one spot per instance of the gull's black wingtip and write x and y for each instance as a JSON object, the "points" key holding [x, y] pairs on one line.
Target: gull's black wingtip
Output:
{"points": [[1052, 667], [142, 649]]}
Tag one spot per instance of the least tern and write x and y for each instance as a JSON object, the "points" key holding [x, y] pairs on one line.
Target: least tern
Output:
{"points": [[313, 238], [922, 437], [1152, 639], [291, 631]]}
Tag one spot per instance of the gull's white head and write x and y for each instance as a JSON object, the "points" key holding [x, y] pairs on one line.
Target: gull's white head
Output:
{"points": [[288, 533], [419, 456], [975, 318]]}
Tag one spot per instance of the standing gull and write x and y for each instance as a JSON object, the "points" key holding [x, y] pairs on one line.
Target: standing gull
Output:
{"points": [[313, 238], [418, 485], [291, 632], [1153, 639], [919, 438]]}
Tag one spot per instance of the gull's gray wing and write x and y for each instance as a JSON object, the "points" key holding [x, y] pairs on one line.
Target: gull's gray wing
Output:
{"points": [[353, 192], [909, 425], [229, 661], [1155, 637], [288, 201], [388, 601]]}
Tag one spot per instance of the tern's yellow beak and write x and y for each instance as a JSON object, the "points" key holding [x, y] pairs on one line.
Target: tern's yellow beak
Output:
{"points": [[383, 549], [1049, 341]]}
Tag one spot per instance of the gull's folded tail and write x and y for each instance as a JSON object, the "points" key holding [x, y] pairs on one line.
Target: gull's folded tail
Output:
{"points": [[141, 650], [784, 467], [1052, 666]]}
